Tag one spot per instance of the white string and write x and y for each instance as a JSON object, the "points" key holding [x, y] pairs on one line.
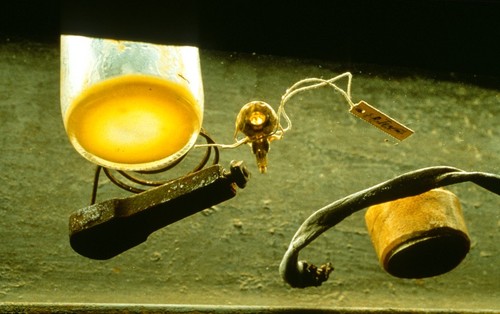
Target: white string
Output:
{"points": [[314, 84], [234, 145], [310, 83]]}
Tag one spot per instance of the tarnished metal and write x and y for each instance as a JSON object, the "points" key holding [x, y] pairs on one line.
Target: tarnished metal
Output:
{"points": [[106, 229], [260, 124], [419, 236], [141, 182], [301, 274]]}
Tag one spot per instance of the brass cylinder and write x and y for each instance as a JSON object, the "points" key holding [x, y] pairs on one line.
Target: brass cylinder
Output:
{"points": [[419, 236]]}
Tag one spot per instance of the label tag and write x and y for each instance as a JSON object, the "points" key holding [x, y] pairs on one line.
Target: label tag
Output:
{"points": [[380, 120]]}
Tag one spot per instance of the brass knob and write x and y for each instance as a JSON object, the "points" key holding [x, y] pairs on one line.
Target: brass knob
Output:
{"points": [[419, 236]]}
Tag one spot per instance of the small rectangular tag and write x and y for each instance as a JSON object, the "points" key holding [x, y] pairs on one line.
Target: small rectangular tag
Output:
{"points": [[382, 121]]}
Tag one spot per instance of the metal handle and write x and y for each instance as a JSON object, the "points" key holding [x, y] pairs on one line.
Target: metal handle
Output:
{"points": [[106, 229]]}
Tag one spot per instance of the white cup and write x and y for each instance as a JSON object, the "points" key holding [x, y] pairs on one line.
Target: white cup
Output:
{"points": [[130, 105]]}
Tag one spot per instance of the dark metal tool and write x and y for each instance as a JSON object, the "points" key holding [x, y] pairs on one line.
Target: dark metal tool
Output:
{"points": [[106, 229]]}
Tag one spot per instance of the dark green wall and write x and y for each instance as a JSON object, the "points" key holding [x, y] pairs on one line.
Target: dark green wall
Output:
{"points": [[230, 254]]}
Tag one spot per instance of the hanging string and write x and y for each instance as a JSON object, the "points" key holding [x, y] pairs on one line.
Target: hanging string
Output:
{"points": [[314, 83], [261, 125], [299, 87]]}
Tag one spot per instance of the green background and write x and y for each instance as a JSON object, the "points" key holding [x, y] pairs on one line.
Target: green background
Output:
{"points": [[229, 254]]}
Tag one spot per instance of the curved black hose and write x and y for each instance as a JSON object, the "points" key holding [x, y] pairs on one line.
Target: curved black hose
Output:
{"points": [[300, 274]]}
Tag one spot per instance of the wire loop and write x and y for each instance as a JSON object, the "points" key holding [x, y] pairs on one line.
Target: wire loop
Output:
{"points": [[126, 179]]}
